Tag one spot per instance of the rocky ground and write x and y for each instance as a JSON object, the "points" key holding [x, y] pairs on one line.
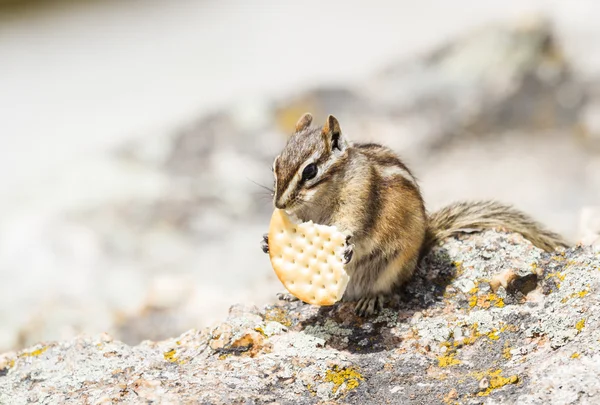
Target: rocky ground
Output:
{"points": [[488, 318], [503, 112]]}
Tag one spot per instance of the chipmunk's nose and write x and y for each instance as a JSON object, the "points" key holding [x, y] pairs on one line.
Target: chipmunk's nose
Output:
{"points": [[279, 205]]}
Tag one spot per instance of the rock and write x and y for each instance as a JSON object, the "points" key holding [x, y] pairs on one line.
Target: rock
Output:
{"points": [[438, 343], [148, 254]]}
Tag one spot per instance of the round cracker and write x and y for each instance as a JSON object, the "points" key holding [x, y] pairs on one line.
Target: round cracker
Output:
{"points": [[308, 259]]}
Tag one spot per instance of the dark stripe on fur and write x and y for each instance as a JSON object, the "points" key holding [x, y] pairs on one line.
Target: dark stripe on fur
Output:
{"points": [[373, 208]]}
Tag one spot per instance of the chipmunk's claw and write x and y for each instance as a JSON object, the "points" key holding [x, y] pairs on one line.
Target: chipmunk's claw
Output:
{"points": [[369, 305], [264, 243]]}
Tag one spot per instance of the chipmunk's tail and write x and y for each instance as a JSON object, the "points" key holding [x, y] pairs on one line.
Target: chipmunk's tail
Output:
{"points": [[473, 216]]}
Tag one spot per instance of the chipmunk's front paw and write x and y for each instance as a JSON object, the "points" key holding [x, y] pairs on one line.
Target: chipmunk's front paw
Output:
{"points": [[369, 305], [348, 251], [264, 243]]}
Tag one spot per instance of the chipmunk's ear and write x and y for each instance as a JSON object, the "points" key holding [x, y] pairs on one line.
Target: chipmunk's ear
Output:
{"points": [[304, 122], [332, 135]]}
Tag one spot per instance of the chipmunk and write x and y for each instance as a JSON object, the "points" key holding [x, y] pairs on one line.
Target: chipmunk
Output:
{"points": [[365, 190]]}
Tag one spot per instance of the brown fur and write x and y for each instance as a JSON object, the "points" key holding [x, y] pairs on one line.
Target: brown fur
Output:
{"points": [[366, 191]]}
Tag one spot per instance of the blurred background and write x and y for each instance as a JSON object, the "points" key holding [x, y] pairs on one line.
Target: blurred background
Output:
{"points": [[133, 133]]}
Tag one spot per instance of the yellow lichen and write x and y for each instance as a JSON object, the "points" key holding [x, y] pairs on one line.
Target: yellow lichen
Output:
{"points": [[579, 294], [171, 357], [496, 380], [486, 301], [260, 330], [448, 360], [580, 325], [278, 315], [469, 340], [493, 335], [35, 352], [347, 375], [558, 275], [459, 268], [506, 352], [575, 355]]}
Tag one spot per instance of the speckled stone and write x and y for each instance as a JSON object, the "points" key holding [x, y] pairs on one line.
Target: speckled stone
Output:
{"points": [[437, 343]]}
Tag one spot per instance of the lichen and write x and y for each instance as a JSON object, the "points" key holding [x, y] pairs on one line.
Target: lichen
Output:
{"points": [[34, 353], [579, 294], [340, 376], [575, 355], [486, 301], [580, 325], [171, 357], [277, 314], [496, 380], [448, 360], [506, 351]]}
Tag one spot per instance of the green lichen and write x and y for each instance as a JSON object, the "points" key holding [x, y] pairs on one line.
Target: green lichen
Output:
{"points": [[340, 376]]}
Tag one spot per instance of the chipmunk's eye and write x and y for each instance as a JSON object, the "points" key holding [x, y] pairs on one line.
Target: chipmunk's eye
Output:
{"points": [[309, 172]]}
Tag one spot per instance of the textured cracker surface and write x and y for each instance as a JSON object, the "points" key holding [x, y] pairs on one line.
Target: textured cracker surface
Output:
{"points": [[308, 259]]}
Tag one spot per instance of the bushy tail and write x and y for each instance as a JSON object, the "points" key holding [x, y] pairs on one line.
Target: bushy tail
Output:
{"points": [[481, 215]]}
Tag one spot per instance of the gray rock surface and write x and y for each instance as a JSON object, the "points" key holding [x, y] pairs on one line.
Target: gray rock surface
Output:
{"points": [[146, 250], [488, 318]]}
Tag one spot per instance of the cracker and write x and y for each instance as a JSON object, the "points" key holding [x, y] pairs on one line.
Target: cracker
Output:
{"points": [[308, 259]]}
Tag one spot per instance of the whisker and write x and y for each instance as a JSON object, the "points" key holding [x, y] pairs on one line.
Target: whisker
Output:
{"points": [[269, 189]]}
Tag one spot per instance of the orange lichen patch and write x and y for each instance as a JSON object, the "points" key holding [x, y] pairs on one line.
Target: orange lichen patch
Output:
{"points": [[496, 380], [347, 375], [580, 325], [486, 301], [251, 342], [448, 360], [34, 353]]}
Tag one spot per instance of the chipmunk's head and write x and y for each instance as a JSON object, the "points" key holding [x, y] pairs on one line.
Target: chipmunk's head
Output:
{"points": [[310, 160]]}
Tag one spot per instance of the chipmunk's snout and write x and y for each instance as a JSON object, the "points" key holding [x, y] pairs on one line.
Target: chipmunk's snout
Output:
{"points": [[280, 205]]}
